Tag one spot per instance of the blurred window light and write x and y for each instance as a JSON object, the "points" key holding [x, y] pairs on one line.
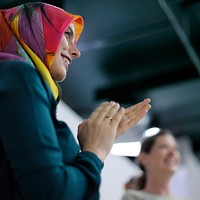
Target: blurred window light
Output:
{"points": [[126, 149], [132, 149]]}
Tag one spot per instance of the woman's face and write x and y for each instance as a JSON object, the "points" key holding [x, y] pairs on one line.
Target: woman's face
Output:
{"points": [[66, 52], [164, 157]]}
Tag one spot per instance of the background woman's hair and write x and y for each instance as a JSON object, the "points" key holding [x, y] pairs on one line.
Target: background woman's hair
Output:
{"points": [[147, 145]]}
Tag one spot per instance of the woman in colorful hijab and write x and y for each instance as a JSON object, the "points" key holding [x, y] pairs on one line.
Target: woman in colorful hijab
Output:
{"points": [[31, 32], [39, 157]]}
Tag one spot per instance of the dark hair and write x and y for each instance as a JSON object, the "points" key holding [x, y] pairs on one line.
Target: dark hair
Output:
{"points": [[147, 145]]}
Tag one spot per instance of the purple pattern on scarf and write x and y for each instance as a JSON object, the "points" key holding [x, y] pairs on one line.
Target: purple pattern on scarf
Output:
{"points": [[8, 56], [31, 30]]}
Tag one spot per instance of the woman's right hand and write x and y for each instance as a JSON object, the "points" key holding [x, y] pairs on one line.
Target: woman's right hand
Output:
{"points": [[97, 134]]}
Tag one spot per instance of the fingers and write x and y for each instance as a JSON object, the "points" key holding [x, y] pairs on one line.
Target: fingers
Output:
{"points": [[118, 117], [137, 111], [147, 100], [109, 111], [106, 111], [81, 126], [114, 115], [137, 108], [133, 115], [96, 112]]}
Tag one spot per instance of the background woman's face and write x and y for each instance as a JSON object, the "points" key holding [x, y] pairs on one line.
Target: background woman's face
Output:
{"points": [[66, 52], [164, 156]]}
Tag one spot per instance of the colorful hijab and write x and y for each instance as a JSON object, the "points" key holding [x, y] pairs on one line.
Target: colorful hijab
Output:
{"points": [[31, 32]]}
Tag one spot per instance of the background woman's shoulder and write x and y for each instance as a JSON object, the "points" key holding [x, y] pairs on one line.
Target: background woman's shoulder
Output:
{"points": [[134, 195], [141, 195]]}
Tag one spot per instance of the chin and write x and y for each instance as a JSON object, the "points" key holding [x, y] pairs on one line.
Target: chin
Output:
{"points": [[60, 77], [173, 169]]}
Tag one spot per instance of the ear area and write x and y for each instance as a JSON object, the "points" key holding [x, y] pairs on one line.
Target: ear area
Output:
{"points": [[143, 158]]}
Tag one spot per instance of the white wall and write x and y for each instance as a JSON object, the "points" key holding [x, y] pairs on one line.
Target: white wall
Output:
{"points": [[116, 172]]}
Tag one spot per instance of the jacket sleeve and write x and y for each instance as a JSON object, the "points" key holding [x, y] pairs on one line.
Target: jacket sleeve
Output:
{"points": [[31, 144]]}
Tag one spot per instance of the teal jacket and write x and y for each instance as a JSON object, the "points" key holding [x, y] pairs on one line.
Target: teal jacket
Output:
{"points": [[39, 157]]}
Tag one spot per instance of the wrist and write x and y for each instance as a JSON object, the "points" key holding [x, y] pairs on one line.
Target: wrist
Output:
{"points": [[99, 154]]}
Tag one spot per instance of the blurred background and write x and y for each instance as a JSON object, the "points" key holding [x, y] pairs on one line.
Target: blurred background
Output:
{"points": [[133, 49]]}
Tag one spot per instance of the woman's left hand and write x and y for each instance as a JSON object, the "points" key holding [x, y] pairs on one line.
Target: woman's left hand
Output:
{"points": [[133, 115]]}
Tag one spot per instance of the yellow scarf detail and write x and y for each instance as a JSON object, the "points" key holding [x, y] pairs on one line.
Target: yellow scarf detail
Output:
{"points": [[37, 61]]}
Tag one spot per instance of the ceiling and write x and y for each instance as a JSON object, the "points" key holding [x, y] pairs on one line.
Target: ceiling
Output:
{"points": [[135, 49]]}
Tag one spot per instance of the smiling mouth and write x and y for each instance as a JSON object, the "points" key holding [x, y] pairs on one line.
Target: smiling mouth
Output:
{"points": [[66, 60]]}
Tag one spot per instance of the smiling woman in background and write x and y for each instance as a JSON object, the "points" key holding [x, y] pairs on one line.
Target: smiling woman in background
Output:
{"points": [[159, 159], [39, 157]]}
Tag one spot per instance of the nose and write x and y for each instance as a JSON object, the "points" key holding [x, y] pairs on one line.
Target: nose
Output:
{"points": [[174, 151], [74, 52]]}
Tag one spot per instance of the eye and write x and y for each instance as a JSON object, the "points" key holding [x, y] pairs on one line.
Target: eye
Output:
{"points": [[68, 34]]}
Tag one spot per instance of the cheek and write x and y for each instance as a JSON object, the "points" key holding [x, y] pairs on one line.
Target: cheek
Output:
{"points": [[63, 43], [52, 69], [178, 156], [55, 65]]}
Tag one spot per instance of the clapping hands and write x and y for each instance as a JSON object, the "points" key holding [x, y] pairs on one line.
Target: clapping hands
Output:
{"points": [[109, 121]]}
